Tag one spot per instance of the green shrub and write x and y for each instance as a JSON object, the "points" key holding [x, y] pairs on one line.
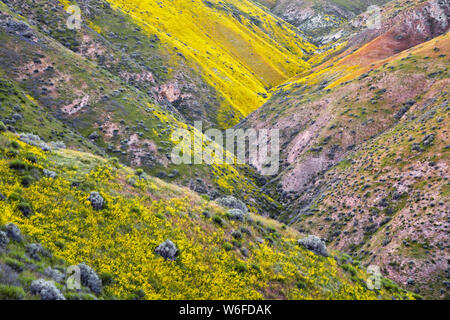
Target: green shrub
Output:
{"points": [[228, 246], [269, 239], [236, 243], [206, 197], [11, 292], [217, 219], [26, 279], [241, 267], [17, 254], [12, 153], [350, 268], [132, 182], [390, 285], [301, 284], [417, 296], [26, 181], [114, 161], [138, 295], [136, 209], [256, 267], [79, 296], [73, 296], [271, 230], [107, 278], [2, 127]]}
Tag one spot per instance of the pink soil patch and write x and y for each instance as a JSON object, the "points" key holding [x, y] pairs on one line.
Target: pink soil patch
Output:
{"points": [[170, 91]]}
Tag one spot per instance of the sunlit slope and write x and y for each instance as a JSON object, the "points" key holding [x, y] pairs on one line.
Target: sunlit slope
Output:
{"points": [[128, 124], [241, 49], [217, 257]]}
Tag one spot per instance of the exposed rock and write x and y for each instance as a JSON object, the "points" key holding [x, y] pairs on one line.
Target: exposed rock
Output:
{"points": [[428, 140]]}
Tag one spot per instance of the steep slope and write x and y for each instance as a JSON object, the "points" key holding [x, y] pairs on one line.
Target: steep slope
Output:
{"points": [[363, 132], [118, 231], [354, 116], [61, 95], [240, 49], [317, 18]]}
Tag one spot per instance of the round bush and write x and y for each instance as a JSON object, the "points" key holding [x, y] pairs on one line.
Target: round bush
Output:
{"points": [[218, 220], [314, 244], [46, 290], [96, 200], [167, 250], [13, 232], [232, 203], [228, 246]]}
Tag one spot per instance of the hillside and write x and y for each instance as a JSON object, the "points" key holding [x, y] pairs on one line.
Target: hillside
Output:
{"points": [[89, 119], [318, 18], [46, 194], [234, 50], [62, 94], [366, 146]]}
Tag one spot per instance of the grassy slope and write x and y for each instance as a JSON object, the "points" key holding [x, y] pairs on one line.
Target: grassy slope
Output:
{"points": [[134, 114], [121, 238], [241, 50]]}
